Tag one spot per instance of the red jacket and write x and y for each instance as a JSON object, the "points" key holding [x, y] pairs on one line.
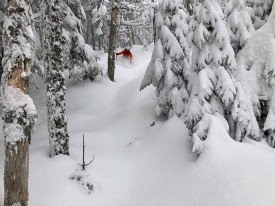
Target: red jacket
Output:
{"points": [[126, 53]]}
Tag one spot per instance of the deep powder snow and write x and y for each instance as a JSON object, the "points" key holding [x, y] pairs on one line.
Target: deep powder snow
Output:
{"points": [[136, 164]]}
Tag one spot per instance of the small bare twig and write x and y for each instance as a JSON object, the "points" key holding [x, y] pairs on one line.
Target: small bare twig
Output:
{"points": [[83, 165], [89, 162]]}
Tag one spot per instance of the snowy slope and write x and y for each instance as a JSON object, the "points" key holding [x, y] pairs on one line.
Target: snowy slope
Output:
{"points": [[136, 164]]}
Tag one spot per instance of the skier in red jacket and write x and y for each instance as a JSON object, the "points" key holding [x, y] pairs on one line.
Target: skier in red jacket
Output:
{"points": [[126, 53]]}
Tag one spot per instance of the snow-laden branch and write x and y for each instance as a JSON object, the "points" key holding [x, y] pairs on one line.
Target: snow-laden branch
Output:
{"points": [[131, 23], [37, 15]]}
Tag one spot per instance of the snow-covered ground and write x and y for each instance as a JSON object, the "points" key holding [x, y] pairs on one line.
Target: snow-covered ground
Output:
{"points": [[137, 164]]}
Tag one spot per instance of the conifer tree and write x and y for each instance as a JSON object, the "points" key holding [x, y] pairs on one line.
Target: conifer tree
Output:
{"points": [[239, 24], [80, 57], [97, 31], [215, 91], [81, 60], [168, 70], [259, 11], [256, 63]]}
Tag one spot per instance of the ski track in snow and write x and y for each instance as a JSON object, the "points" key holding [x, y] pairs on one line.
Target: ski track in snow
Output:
{"points": [[139, 165]]}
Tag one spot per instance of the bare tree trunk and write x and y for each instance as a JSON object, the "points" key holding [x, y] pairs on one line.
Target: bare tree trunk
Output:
{"points": [[2, 8], [133, 35], [99, 42], [154, 24], [93, 37], [129, 43], [18, 109], [1, 50], [139, 40], [88, 30], [112, 39], [16, 174]]}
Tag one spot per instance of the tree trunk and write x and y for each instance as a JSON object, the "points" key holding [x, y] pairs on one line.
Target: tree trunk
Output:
{"points": [[99, 42], [154, 24], [19, 112], [129, 42], [139, 40], [88, 30], [1, 49], [132, 36], [55, 79], [112, 40], [16, 174], [93, 37]]}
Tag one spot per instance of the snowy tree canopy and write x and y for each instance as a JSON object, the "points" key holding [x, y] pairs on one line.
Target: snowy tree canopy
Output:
{"points": [[259, 11], [82, 60], [239, 24], [256, 63], [169, 67], [215, 90]]}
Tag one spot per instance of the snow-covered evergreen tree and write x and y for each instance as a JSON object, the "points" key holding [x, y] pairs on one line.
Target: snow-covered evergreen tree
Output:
{"points": [[239, 24], [223, 3], [54, 67], [147, 18], [168, 70], [259, 11], [82, 60], [97, 24], [77, 9], [215, 91], [19, 112], [101, 28], [256, 63]]}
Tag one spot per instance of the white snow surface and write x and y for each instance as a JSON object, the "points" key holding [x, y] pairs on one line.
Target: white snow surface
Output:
{"points": [[136, 164]]}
